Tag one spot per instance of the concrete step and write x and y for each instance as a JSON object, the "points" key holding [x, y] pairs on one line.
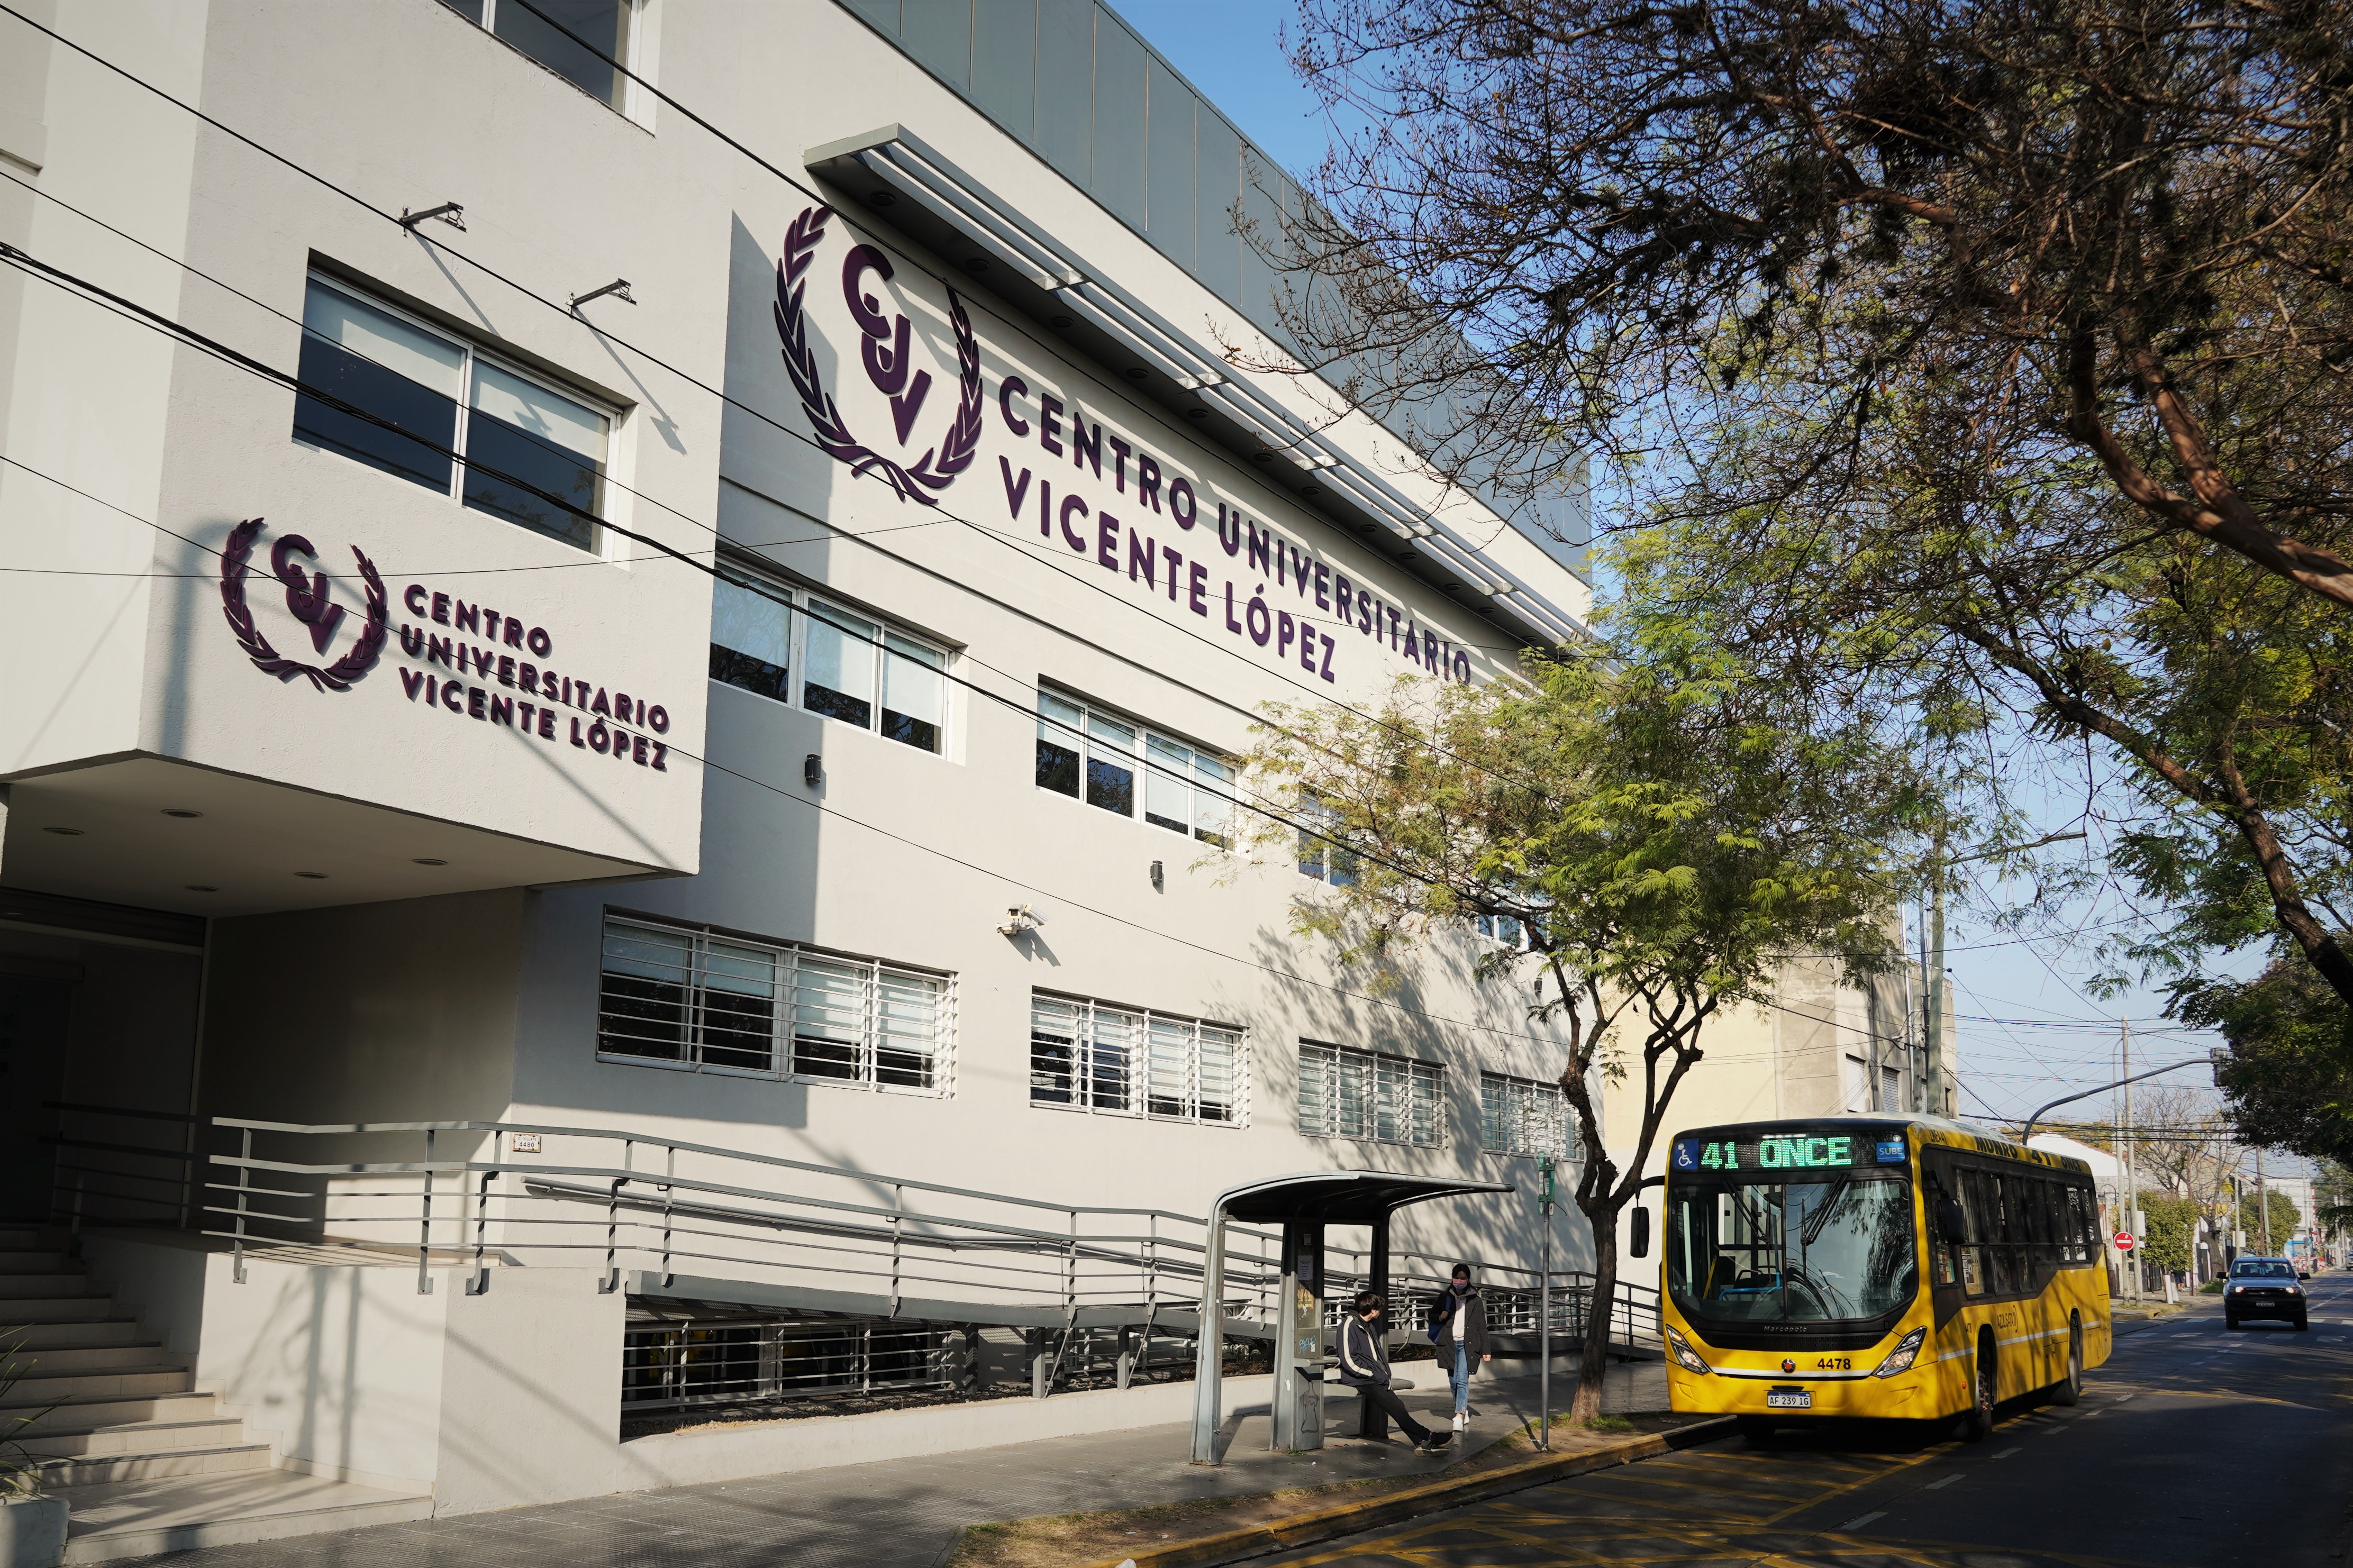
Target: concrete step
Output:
{"points": [[77, 1414], [98, 1469], [63, 1336], [29, 1237], [137, 1519], [15, 1309], [56, 1361], [113, 1383], [134, 1437], [47, 1282], [32, 1260]]}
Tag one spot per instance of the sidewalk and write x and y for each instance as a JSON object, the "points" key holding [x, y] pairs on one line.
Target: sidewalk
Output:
{"points": [[908, 1513]]}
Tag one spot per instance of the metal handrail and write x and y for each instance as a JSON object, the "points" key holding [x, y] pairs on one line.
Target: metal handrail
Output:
{"points": [[504, 1209]]}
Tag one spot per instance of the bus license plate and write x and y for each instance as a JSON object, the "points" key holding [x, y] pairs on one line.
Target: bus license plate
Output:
{"points": [[1788, 1399]]}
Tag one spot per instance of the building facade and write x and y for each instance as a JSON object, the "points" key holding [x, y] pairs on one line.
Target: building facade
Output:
{"points": [[681, 585]]}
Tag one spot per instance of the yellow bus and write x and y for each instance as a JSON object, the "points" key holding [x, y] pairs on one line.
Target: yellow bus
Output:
{"points": [[1876, 1266]]}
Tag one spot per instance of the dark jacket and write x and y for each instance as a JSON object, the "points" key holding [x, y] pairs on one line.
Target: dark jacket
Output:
{"points": [[1469, 1312], [1364, 1359]]}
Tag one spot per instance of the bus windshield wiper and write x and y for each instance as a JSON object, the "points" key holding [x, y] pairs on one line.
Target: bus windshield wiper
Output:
{"points": [[1818, 1221]]}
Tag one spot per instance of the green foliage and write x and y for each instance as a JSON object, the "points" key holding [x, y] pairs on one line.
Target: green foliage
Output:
{"points": [[2289, 1082], [2171, 1225], [2285, 1218]]}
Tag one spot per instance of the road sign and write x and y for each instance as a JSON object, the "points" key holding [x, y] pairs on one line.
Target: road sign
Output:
{"points": [[2124, 1241]]}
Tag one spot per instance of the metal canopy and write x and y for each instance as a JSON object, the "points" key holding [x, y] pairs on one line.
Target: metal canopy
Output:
{"points": [[1308, 1197], [1341, 1198]]}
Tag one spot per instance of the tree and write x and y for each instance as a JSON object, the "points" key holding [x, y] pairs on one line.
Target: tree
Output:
{"points": [[2184, 1140], [1993, 354], [1663, 831], [2285, 1218], [2167, 1246], [2290, 1079]]}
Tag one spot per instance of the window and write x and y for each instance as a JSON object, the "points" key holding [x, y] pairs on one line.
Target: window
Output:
{"points": [[595, 27], [1127, 1062], [1122, 767], [1321, 857], [852, 669], [691, 997], [1521, 1116], [1505, 929], [530, 455], [1366, 1094]]}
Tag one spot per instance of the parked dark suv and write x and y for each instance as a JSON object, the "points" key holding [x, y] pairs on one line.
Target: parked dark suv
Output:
{"points": [[2262, 1287]]}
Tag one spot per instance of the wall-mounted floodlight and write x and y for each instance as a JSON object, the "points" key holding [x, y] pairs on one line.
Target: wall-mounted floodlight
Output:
{"points": [[451, 213], [618, 288], [1157, 884], [813, 770]]}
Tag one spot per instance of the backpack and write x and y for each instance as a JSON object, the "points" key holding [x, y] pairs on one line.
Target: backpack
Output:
{"points": [[1436, 1317]]}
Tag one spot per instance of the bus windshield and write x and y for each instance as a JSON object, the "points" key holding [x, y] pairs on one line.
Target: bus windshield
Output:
{"points": [[1817, 1250]]}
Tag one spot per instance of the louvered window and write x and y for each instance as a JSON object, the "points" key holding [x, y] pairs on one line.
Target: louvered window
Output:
{"points": [[677, 995], [1370, 1095], [1522, 1116], [1089, 1056]]}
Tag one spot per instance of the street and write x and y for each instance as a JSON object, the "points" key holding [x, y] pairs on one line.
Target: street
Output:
{"points": [[2194, 1447]]}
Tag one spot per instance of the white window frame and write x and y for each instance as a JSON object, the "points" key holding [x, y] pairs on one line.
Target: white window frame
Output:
{"points": [[1317, 855], [632, 57], [1514, 1113], [781, 1034], [1138, 1075], [603, 544], [1379, 1073], [1140, 758], [797, 599], [1509, 930]]}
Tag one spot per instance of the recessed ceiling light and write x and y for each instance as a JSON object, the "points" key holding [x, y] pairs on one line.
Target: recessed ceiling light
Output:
{"points": [[64, 832], [200, 887], [975, 264], [1310, 490], [1262, 456], [1135, 373], [883, 198], [428, 860], [1060, 321], [1196, 413], [312, 876], [182, 812]]}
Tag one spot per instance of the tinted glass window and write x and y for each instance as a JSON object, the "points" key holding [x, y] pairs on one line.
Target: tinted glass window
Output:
{"points": [[380, 365], [534, 458]]}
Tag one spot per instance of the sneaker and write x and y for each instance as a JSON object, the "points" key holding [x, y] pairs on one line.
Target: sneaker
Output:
{"points": [[1435, 1441], [1461, 1421]]}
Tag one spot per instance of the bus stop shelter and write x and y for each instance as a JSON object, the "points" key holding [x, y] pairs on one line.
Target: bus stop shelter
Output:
{"points": [[1302, 1205]]}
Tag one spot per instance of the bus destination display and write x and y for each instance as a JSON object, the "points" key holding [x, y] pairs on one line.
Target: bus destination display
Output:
{"points": [[1787, 1153]]}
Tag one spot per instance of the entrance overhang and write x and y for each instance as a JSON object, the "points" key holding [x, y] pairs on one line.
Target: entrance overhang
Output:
{"points": [[1310, 1197]]}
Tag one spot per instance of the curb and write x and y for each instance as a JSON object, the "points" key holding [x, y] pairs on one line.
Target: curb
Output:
{"points": [[1353, 1519]]}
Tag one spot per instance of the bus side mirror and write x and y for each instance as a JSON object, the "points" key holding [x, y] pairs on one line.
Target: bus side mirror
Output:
{"points": [[1640, 1246], [1952, 1221]]}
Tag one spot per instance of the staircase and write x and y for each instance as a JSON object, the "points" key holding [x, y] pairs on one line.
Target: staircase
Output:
{"points": [[145, 1462]]}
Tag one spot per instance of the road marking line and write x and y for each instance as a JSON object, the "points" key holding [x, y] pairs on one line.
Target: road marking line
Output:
{"points": [[2121, 1397], [1949, 1481], [2006, 1453], [1859, 1520]]}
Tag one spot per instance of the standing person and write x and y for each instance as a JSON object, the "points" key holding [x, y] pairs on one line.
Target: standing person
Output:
{"points": [[1365, 1367], [1459, 1329]]}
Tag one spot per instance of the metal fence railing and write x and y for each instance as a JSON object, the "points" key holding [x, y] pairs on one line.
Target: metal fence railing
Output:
{"points": [[478, 1195]]}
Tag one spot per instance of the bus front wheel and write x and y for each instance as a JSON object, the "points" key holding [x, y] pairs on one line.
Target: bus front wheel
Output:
{"points": [[2070, 1389], [1754, 1430], [1977, 1423]]}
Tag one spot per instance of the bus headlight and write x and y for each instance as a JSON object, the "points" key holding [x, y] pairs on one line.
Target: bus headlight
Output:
{"points": [[1900, 1359], [1681, 1349]]}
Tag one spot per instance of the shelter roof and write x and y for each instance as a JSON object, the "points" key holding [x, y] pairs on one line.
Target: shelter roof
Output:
{"points": [[1343, 1198]]}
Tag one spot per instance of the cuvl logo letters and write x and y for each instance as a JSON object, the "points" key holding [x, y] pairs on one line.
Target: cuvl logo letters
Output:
{"points": [[306, 600], [884, 347]]}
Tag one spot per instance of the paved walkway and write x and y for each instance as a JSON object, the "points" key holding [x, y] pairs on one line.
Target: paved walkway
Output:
{"points": [[907, 1513]]}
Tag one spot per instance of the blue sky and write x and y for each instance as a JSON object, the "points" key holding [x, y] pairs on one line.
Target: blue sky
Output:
{"points": [[1232, 51]]}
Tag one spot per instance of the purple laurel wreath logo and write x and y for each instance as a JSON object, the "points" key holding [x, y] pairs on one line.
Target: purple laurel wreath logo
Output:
{"points": [[306, 599], [884, 348]]}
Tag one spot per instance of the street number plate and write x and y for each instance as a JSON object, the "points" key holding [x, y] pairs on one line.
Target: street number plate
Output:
{"points": [[1788, 1399]]}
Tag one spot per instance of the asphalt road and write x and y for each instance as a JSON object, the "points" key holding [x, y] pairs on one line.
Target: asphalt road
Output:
{"points": [[2194, 1447]]}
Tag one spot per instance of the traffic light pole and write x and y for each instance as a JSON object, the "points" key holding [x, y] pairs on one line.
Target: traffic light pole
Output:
{"points": [[1544, 1316]]}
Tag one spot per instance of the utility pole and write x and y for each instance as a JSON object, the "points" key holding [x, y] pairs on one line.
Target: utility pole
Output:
{"points": [[2132, 1180], [2263, 1203], [1932, 1024]]}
